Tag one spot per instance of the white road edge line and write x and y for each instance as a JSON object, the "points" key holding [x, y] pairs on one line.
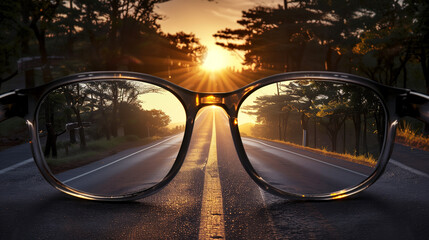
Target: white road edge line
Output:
{"points": [[270, 216], [410, 169], [200, 114], [313, 159], [15, 166], [116, 161]]}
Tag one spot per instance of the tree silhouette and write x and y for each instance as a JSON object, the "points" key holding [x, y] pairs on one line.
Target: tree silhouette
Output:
{"points": [[273, 38], [280, 113], [99, 109]]}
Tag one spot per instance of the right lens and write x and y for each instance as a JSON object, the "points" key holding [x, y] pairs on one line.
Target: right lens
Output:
{"points": [[312, 137], [110, 138]]}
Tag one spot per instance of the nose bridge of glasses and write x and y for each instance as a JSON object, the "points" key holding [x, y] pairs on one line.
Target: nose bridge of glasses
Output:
{"points": [[209, 99], [216, 99]]}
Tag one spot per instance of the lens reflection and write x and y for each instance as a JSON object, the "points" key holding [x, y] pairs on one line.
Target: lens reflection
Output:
{"points": [[110, 138], [312, 137]]}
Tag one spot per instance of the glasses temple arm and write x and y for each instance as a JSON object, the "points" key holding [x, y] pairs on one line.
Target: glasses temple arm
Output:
{"points": [[13, 104], [415, 105]]}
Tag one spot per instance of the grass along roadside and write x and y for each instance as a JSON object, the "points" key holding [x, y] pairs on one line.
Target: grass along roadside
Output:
{"points": [[95, 150], [367, 160], [407, 136]]}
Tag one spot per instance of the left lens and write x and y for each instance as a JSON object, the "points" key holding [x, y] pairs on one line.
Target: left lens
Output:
{"points": [[309, 137], [110, 138]]}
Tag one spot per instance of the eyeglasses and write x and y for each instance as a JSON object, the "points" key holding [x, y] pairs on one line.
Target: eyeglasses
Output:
{"points": [[123, 136]]}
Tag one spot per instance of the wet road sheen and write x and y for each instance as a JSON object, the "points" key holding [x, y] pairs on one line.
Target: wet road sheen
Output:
{"points": [[395, 207]]}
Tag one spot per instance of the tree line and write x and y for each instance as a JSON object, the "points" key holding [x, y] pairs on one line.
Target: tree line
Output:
{"points": [[80, 112], [378, 39], [386, 41], [327, 106], [92, 35]]}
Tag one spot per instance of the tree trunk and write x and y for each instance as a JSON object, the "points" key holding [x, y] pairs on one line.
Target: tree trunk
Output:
{"points": [[40, 35], [51, 139], [25, 38], [405, 77], [424, 61], [70, 38], [304, 124], [280, 125], [333, 128], [315, 133], [114, 124], [344, 137], [329, 65], [357, 124], [113, 41], [105, 125], [51, 142], [334, 136], [379, 122], [280, 115], [81, 129], [285, 122], [72, 134], [365, 138], [72, 105]]}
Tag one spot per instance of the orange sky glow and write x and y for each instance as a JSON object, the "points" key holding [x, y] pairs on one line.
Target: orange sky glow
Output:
{"points": [[204, 18]]}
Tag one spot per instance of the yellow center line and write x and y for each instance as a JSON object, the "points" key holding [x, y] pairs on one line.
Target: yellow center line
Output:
{"points": [[212, 224]]}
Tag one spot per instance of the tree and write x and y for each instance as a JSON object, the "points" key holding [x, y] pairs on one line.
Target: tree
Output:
{"points": [[141, 122], [98, 99], [273, 38], [273, 111], [282, 108], [52, 119], [333, 110], [420, 30], [66, 25], [93, 35], [120, 15], [10, 39], [277, 38], [270, 111], [20, 20], [41, 13], [115, 104], [188, 50], [76, 101], [420, 39], [340, 22]]}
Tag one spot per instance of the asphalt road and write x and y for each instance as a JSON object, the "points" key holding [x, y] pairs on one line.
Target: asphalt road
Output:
{"points": [[302, 172], [395, 207], [127, 171]]}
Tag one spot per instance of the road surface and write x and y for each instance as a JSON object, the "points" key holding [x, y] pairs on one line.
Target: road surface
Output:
{"points": [[302, 172], [125, 172], [213, 197]]}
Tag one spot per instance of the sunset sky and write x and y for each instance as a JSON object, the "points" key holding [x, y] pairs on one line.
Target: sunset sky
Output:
{"points": [[204, 18]]}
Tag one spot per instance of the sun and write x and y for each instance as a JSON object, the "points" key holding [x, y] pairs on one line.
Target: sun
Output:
{"points": [[215, 60]]}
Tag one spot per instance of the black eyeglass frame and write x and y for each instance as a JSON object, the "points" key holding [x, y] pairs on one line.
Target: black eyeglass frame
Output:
{"points": [[396, 102]]}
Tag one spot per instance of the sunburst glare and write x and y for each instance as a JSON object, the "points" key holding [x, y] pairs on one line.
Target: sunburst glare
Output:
{"points": [[215, 60]]}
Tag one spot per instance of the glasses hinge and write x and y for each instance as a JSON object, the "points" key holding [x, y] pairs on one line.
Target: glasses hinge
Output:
{"points": [[13, 104], [414, 105]]}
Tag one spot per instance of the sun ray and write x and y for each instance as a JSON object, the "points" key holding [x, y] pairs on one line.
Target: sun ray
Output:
{"points": [[216, 59], [198, 78]]}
